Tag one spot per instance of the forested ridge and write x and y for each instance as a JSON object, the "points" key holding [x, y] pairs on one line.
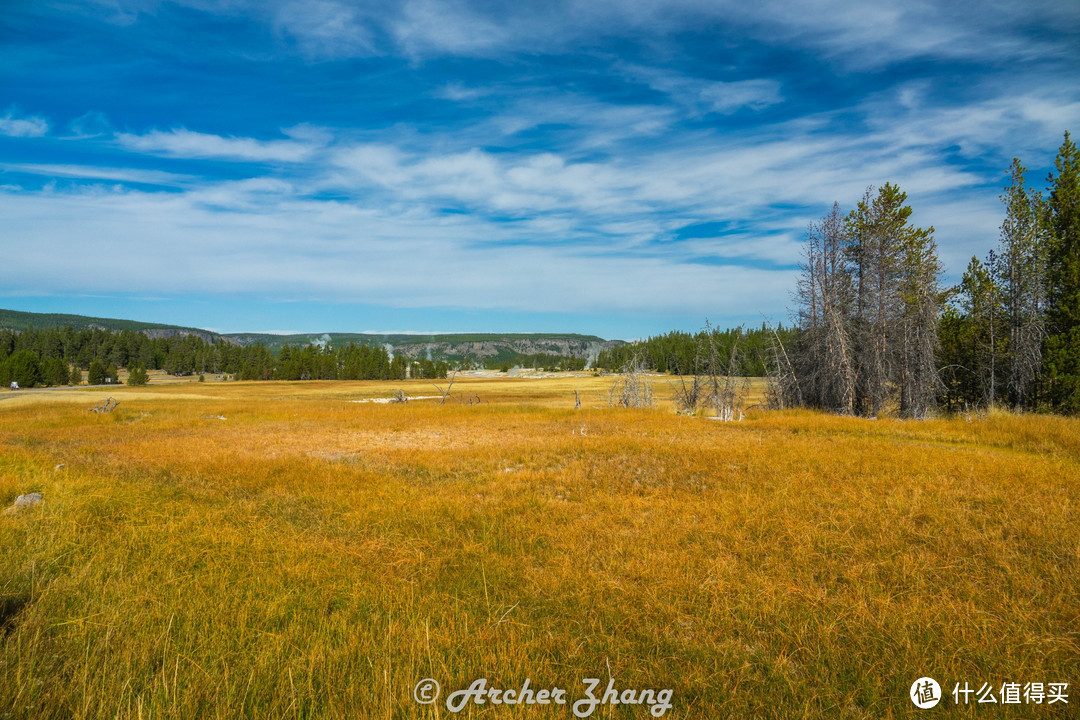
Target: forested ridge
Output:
{"points": [[58, 356]]}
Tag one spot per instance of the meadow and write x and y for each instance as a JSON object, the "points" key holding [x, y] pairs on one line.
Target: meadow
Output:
{"points": [[278, 550]]}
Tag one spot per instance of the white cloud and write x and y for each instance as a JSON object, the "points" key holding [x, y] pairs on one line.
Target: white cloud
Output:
{"points": [[148, 177], [726, 97], [242, 195], [1018, 120], [301, 248], [457, 92], [90, 125], [311, 134], [700, 95], [863, 34], [743, 178], [29, 126], [325, 28], [427, 26], [592, 123], [873, 34], [188, 144], [855, 33]]}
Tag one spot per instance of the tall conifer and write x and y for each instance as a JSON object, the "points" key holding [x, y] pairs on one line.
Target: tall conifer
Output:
{"points": [[1061, 363]]}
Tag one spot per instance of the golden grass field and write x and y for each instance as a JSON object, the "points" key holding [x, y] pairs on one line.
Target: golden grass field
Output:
{"points": [[311, 557]]}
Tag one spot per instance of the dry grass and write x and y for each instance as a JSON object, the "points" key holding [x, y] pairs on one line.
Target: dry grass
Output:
{"points": [[309, 557]]}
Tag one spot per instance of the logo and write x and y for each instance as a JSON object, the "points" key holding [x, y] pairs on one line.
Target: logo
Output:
{"points": [[925, 693], [426, 691]]}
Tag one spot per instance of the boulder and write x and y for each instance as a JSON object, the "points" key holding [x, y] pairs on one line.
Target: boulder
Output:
{"points": [[23, 502]]}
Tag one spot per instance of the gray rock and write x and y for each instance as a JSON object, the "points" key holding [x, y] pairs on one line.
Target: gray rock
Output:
{"points": [[24, 501]]}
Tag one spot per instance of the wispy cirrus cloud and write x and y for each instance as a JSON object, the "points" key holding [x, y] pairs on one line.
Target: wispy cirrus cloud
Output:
{"points": [[95, 172], [741, 176], [89, 125], [850, 31], [328, 28], [182, 143], [710, 95], [874, 34], [1016, 119], [728, 97]]}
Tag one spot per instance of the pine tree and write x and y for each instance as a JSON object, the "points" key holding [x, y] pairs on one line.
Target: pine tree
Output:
{"points": [[1021, 275], [54, 371], [25, 368], [1061, 365], [955, 358], [981, 302], [138, 376], [96, 374]]}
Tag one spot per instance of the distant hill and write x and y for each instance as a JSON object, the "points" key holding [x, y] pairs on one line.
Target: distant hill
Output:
{"points": [[447, 347], [483, 347], [16, 320]]}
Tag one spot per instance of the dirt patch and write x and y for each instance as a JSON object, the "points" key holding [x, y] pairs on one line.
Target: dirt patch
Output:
{"points": [[10, 607]]}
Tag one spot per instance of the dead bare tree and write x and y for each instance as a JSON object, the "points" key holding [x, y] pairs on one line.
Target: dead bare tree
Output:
{"points": [[874, 249], [726, 389], [825, 296], [446, 393], [919, 307], [687, 396], [632, 388], [783, 384], [108, 406]]}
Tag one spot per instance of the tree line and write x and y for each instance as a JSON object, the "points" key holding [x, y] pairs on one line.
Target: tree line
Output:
{"points": [[1011, 335], [59, 356], [684, 353], [877, 331]]}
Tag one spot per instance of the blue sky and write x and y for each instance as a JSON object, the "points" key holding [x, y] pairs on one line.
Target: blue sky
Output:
{"points": [[614, 168]]}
